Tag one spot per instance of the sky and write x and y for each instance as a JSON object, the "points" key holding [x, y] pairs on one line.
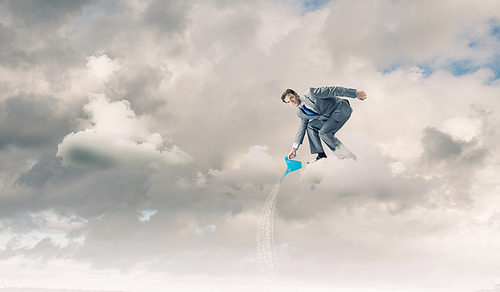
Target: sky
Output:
{"points": [[139, 141]]}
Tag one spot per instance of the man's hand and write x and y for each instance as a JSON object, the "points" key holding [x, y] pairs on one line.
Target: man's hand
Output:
{"points": [[361, 95], [292, 153]]}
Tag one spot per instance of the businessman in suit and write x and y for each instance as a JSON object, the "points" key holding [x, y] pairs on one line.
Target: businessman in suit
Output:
{"points": [[322, 114]]}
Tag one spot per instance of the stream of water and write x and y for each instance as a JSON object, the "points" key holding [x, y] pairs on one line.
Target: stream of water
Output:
{"points": [[266, 249]]}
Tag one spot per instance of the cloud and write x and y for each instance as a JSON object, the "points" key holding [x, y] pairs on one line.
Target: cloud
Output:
{"points": [[118, 138], [115, 117], [105, 105], [255, 168], [30, 121], [104, 150], [496, 289], [443, 152], [102, 67], [51, 13], [435, 38], [171, 16], [337, 183]]}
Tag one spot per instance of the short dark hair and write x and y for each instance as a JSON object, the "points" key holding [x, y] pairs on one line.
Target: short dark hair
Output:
{"points": [[286, 92]]}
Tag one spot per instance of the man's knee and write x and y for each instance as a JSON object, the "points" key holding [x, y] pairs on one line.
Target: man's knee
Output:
{"points": [[324, 134], [325, 131], [311, 128]]}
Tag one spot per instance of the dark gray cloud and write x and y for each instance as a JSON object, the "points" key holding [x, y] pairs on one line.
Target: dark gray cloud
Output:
{"points": [[139, 85], [456, 160], [33, 35], [168, 16], [27, 120], [45, 13], [41, 172], [441, 150]]}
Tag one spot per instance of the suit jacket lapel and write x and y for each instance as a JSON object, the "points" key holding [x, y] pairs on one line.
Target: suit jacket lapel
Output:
{"points": [[311, 103]]}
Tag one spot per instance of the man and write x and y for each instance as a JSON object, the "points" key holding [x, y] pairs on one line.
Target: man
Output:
{"points": [[322, 114]]}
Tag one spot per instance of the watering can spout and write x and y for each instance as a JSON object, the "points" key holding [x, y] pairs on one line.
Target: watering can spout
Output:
{"points": [[292, 165]]}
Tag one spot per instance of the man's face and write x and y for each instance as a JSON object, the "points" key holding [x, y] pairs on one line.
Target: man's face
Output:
{"points": [[292, 99]]}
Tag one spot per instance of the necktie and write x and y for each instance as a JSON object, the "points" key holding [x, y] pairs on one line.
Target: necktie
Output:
{"points": [[308, 111]]}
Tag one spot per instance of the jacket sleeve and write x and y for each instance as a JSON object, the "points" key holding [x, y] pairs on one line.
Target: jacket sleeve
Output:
{"points": [[299, 138], [333, 91]]}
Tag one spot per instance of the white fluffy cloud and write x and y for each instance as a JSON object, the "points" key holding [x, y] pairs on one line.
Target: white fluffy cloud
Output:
{"points": [[255, 167], [102, 66], [118, 137]]}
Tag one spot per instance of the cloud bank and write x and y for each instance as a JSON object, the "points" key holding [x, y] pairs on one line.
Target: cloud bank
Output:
{"points": [[140, 139]]}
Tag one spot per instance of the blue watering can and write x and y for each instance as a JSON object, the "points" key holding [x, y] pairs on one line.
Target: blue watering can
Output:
{"points": [[292, 165]]}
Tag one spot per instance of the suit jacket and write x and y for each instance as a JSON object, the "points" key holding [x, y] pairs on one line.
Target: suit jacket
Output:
{"points": [[325, 102]]}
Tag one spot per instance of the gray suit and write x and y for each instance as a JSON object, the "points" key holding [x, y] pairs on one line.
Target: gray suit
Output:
{"points": [[333, 113]]}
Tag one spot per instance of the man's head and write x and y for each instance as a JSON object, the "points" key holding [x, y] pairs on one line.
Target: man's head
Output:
{"points": [[291, 97]]}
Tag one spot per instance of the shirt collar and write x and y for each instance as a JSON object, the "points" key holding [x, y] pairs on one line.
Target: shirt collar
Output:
{"points": [[303, 103]]}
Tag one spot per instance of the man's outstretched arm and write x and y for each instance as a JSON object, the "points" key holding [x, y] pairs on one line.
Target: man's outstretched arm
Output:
{"points": [[333, 91]]}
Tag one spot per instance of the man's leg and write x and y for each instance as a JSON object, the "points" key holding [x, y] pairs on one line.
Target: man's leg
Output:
{"points": [[339, 149], [313, 128], [327, 133], [330, 127], [342, 152], [315, 145]]}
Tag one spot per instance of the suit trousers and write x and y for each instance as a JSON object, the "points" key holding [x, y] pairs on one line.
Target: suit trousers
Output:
{"points": [[324, 130]]}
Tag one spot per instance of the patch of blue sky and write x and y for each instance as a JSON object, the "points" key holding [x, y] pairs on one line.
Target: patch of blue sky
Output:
{"points": [[425, 68], [455, 67], [312, 5], [399, 62], [494, 66], [474, 44], [461, 67], [495, 28], [391, 68], [458, 67]]}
